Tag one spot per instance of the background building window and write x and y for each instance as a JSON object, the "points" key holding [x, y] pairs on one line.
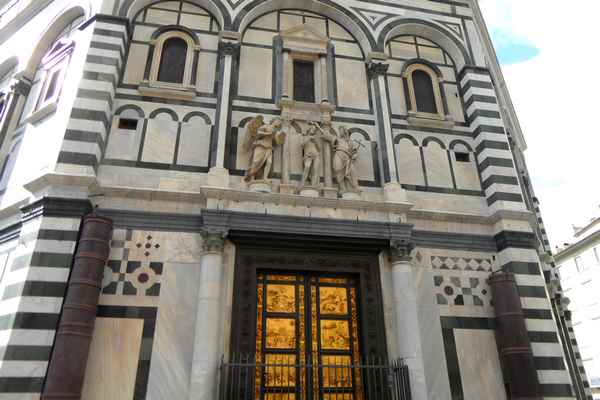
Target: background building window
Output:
{"points": [[173, 61], [424, 94], [304, 81]]}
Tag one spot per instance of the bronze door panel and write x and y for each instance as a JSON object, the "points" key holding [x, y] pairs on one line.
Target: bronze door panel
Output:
{"points": [[307, 337]]}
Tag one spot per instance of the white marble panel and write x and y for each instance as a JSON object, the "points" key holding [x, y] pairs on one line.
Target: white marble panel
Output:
{"points": [[479, 364], [437, 166], [352, 83], [255, 72], [194, 143], [434, 55], [403, 50], [134, 71], [199, 22], [112, 363], [288, 21], [397, 100], [347, 49], [159, 143], [123, 144], [143, 33], [174, 336], [410, 167], [261, 37], [336, 31], [455, 108], [319, 24], [182, 247], [161, 17], [465, 173], [268, 21], [205, 80], [364, 162]]}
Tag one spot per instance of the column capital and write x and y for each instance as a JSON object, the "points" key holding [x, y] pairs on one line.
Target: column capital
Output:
{"points": [[400, 250], [377, 64], [213, 239], [375, 69], [21, 86], [229, 43]]}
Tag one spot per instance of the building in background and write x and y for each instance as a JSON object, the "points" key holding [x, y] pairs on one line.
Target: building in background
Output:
{"points": [[268, 199], [578, 265]]}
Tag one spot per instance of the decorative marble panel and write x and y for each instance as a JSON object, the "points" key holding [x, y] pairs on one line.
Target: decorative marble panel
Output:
{"points": [[461, 263], [134, 273], [459, 290]]}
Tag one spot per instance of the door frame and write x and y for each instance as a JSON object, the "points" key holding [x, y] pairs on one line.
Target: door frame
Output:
{"points": [[300, 253]]}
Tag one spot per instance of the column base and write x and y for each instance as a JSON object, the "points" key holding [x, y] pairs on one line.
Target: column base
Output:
{"points": [[218, 177], [330, 192], [394, 193], [287, 188], [310, 191], [261, 186], [351, 196]]}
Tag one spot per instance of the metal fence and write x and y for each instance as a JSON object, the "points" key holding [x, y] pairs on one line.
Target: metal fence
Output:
{"points": [[241, 378]]}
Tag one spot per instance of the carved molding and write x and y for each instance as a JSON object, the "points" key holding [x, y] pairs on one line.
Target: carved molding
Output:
{"points": [[213, 239], [227, 48], [400, 250], [375, 69], [21, 87]]}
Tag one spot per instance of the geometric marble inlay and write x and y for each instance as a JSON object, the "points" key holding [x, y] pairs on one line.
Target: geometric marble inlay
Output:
{"points": [[461, 291], [132, 273], [461, 263]]}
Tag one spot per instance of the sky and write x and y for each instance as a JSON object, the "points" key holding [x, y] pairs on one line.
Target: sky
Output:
{"points": [[550, 59]]}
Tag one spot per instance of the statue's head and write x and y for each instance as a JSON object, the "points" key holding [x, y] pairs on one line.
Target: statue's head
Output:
{"points": [[343, 131], [276, 123]]}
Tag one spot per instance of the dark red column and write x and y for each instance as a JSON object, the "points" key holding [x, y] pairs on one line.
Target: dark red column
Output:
{"points": [[64, 379], [514, 346]]}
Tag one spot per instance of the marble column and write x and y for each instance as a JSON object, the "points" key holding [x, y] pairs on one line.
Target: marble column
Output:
{"points": [[408, 335], [229, 49], [207, 336]]}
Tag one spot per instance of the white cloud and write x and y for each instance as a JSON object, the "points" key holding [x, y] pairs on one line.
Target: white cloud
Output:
{"points": [[555, 96]]}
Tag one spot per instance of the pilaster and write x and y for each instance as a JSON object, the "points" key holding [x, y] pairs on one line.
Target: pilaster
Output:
{"points": [[377, 66], [229, 50]]}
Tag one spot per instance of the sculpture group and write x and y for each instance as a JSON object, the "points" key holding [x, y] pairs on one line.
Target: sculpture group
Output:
{"points": [[261, 139]]}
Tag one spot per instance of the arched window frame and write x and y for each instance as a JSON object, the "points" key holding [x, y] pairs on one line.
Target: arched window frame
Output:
{"points": [[159, 43], [436, 81]]}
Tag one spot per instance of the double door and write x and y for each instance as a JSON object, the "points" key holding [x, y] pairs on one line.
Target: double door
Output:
{"points": [[307, 337]]}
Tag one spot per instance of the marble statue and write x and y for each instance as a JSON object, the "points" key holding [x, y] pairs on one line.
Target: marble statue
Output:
{"points": [[259, 141], [344, 159], [311, 155]]}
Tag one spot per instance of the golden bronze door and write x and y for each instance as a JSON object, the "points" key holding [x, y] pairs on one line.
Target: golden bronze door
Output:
{"points": [[307, 339]]}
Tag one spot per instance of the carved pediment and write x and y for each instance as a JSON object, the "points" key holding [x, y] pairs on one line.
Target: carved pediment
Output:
{"points": [[304, 34]]}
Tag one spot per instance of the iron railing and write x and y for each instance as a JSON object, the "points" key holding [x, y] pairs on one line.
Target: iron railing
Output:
{"points": [[241, 378]]}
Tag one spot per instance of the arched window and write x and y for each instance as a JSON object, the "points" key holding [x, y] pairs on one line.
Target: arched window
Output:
{"points": [[172, 61], [424, 94]]}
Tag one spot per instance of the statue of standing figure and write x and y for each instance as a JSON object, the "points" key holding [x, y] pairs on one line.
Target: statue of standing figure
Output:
{"points": [[260, 139], [311, 156], [344, 158]]}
